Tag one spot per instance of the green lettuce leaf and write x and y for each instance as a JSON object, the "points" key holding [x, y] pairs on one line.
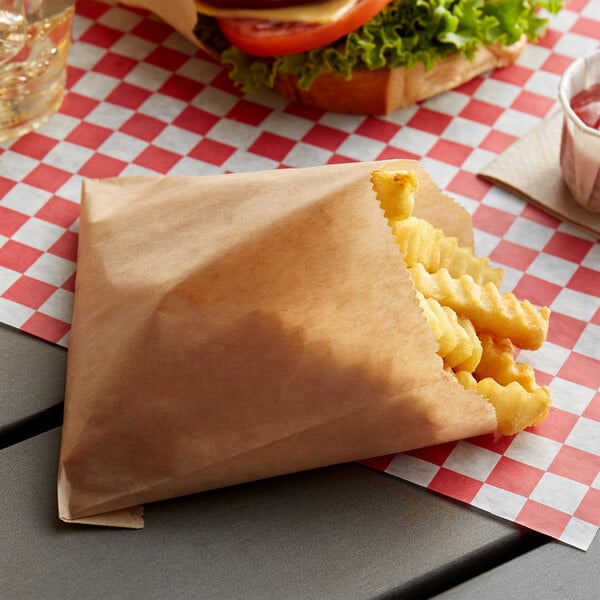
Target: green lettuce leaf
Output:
{"points": [[405, 32]]}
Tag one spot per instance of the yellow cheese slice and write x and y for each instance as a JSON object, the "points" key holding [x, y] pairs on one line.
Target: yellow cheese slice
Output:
{"points": [[320, 12]]}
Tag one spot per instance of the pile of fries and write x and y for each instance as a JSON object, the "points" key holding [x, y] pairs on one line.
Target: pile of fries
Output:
{"points": [[476, 326]]}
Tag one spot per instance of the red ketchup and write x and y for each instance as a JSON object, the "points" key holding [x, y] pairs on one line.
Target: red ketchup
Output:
{"points": [[586, 106]]}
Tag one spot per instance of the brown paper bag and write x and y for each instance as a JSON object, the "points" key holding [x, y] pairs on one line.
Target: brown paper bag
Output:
{"points": [[235, 327], [180, 14]]}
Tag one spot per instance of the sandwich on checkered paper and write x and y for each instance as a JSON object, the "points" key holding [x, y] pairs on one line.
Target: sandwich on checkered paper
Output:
{"points": [[358, 56]]}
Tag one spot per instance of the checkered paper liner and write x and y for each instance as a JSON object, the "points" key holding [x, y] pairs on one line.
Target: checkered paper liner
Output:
{"points": [[142, 100]]}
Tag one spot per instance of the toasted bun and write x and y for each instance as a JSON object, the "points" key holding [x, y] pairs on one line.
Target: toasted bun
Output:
{"points": [[384, 90]]}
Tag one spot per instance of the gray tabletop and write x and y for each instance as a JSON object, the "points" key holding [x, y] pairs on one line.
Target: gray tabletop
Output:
{"points": [[32, 380], [343, 532], [552, 572], [340, 532]]}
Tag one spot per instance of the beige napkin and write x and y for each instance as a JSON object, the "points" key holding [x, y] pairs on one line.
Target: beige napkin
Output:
{"points": [[530, 169]]}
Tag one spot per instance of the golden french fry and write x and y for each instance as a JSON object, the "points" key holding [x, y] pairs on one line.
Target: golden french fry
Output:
{"points": [[516, 408], [458, 343], [466, 379], [474, 324], [421, 242], [395, 191], [476, 350], [498, 361], [502, 315]]}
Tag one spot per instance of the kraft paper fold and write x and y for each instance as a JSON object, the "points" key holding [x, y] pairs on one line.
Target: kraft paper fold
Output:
{"points": [[235, 327], [180, 14]]}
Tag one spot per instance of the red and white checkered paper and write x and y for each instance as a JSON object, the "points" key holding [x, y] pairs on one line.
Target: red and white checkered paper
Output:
{"points": [[142, 100]]}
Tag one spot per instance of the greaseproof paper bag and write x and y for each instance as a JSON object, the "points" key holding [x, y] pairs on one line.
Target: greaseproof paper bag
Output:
{"points": [[180, 14], [234, 327]]}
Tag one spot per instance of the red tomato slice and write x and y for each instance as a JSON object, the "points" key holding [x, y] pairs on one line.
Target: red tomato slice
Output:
{"points": [[276, 38]]}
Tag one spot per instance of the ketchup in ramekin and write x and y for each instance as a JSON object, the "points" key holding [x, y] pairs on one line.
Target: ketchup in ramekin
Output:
{"points": [[586, 106], [579, 93]]}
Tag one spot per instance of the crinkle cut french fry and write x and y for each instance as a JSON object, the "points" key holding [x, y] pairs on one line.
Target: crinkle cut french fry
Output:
{"points": [[502, 315], [516, 408], [474, 324], [458, 343], [472, 361], [395, 191], [466, 379], [498, 361], [421, 242]]}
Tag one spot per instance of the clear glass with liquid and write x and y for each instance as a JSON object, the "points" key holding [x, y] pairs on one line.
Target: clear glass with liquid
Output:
{"points": [[35, 38]]}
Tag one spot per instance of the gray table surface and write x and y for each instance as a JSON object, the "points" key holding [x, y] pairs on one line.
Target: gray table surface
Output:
{"points": [[32, 383], [551, 572], [341, 532]]}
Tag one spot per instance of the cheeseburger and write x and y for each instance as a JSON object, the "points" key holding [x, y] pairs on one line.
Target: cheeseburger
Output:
{"points": [[365, 56]]}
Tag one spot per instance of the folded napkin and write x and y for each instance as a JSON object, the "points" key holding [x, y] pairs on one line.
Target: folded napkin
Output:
{"points": [[530, 169]]}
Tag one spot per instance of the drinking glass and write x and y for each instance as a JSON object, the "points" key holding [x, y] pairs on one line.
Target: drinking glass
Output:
{"points": [[35, 38], [12, 28]]}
